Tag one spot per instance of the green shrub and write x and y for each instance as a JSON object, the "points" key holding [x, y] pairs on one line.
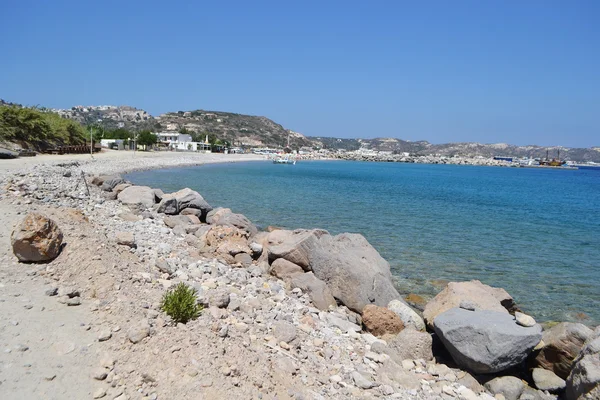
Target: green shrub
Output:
{"points": [[180, 303]]}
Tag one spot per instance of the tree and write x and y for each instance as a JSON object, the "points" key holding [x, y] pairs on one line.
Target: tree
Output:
{"points": [[120, 133], [146, 138]]}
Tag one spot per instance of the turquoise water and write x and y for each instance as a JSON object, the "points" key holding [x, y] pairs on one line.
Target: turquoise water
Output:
{"points": [[534, 232]]}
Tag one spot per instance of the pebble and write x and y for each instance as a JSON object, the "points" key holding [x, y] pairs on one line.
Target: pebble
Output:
{"points": [[524, 320], [104, 336], [74, 301], [99, 393], [21, 347], [99, 374]]}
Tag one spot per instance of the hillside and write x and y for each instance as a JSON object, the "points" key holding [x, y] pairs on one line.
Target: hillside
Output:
{"points": [[467, 149], [238, 129]]}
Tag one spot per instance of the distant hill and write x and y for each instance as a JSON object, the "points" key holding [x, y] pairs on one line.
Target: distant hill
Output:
{"points": [[468, 149], [238, 129]]}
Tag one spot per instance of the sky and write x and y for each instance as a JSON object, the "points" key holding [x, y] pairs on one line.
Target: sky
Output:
{"points": [[519, 72]]}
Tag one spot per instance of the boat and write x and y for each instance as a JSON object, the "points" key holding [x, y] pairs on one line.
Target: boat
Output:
{"points": [[282, 160], [555, 162]]}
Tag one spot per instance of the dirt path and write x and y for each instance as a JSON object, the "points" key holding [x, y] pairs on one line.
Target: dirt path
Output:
{"points": [[47, 347]]}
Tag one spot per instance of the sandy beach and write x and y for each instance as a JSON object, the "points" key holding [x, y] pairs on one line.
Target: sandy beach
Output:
{"points": [[114, 161]]}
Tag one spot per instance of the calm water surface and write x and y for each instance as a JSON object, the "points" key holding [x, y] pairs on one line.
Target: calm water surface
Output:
{"points": [[534, 232]]}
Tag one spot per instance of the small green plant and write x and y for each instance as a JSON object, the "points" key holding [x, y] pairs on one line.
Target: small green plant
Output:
{"points": [[180, 303]]}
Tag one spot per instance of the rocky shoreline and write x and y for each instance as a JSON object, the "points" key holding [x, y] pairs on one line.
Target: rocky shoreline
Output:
{"points": [[288, 314]]}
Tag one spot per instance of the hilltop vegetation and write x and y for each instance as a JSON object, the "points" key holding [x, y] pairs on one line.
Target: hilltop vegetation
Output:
{"points": [[37, 129]]}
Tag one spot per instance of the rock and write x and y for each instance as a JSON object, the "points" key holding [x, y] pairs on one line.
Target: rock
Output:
{"points": [[226, 240], [36, 238], [111, 182], [120, 187], [284, 269], [243, 258], [352, 269], [164, 267], [175, 220], [125, 239], [99, 374], [524, 319], [188, 198], [408, 316], [104, 336], [137, 333], [51, 291], [219, 299], [410, 344], [224, 217], [342, 324], [256, 248], [192, 211], [483, 297], [562, 344], [284, 331], [508, 386], [584, 380], [294, 246], [547, 380], [138, 198], [99, 393], [360, 381], [69, 291], [99, 180], [485, 341], [168, 205], [74, 301], [381, 321], [130, 217], [317, 290]]}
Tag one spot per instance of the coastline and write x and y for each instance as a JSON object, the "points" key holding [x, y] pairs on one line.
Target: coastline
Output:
{"points": [[122, 162], [293, 346]]}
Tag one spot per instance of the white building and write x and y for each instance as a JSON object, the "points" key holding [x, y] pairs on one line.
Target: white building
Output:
{"points": [[181, 141]]}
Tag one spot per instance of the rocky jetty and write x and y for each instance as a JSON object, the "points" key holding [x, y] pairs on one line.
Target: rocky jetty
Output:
{"points": [[287, 314]]}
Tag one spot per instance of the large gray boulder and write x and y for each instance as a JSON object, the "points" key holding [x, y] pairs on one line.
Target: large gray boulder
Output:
{"points": [[562, 344], [111, 182], [184, 198], [584, 380], [225, 217], [36, 238], [352, 269], [137, 197], [485, 341], [479, 295]]}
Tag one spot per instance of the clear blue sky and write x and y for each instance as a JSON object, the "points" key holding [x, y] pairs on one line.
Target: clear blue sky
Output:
{"points": [[522, 72]]}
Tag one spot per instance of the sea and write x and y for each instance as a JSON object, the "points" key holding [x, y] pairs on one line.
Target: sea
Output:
{"points": [[534, 232]]}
